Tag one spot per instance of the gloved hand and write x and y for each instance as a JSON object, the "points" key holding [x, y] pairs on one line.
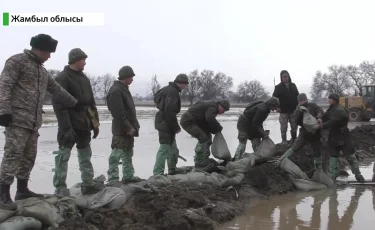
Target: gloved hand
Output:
{"points": [[5, 119], [131, 132], [96, 133]]}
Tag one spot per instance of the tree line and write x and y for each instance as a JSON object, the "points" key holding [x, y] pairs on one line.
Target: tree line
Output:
{"points": [[203, 85], [343, 80]]}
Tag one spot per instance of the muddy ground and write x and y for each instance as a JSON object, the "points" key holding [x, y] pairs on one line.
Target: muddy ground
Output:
{"points": [[186, 207]]}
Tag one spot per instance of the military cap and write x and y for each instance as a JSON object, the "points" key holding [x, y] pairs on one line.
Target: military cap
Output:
{"points": [[76, 54], [125, 72], [182, 79], [225, 104]]}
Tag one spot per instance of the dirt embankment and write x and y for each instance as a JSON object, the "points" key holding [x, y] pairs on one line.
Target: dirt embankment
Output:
{"points": [[202, 206]]}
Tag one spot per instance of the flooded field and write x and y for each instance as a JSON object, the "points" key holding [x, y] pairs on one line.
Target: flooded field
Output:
{"points": [[345, 208]]}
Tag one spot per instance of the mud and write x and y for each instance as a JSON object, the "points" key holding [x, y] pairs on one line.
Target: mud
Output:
{"points": [[204, 206]]}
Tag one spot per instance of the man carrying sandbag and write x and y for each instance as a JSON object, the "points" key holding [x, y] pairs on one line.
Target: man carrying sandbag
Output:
{"points": [[200, 122], [305, 137], [75, 125], [125, 127], [168, 102], [286, 91], [336, 121], [250, 124]]}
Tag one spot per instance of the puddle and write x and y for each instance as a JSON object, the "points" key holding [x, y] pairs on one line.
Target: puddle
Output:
{"points": [[350, 208]]}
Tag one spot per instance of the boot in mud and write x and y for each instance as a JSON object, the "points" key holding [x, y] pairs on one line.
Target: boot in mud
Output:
{"points": [[283, 139], [334, 167], [5, 200], [354, 166], [317, 163], [23, 191], [62, 192], [239, 151], [92, 188]]}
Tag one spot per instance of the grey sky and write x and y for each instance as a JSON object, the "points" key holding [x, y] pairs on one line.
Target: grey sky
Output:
{"points": [[244, 39]]}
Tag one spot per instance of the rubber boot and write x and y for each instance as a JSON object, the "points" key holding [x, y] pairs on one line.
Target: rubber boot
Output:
{"points": [[283, 139], [23, 191], [128, 169], [239, 151], [87, 172], [199, 152], [61, 171], [162, 155], [173, 159], [333, 167], [354, 166], [317, 163], [6, 202], [113, 171]]}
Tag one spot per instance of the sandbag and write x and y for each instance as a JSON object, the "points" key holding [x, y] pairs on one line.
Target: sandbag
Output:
{"points": [[220, 148], [136, 188], [307, 185], [266, 150], [21, 223], [234, 180], [321, 177], [110, 197], [292, 169], [308, 120], [5, 214], [235, 167], [159, 181], [198, 177], [40, 209]]}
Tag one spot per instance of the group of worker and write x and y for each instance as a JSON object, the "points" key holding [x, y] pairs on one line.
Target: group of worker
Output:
{"points": [[24, 82]]}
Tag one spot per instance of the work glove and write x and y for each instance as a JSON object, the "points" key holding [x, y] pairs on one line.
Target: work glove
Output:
{"points": [[5, 119], [96, 133]]}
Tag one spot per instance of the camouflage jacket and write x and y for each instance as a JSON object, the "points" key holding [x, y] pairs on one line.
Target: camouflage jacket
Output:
{"points": [[121, 105], [23, 84]]}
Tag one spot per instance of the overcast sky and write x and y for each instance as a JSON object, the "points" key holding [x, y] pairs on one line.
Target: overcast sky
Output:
{"points": [[245, 39]]}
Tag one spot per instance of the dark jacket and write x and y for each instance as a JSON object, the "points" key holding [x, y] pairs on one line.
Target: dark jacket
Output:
{"points": [[287, 96], [121, 105], [204, 115], [251, 121], [316, 112], [336, 120], [169, 106], [78, 85]]}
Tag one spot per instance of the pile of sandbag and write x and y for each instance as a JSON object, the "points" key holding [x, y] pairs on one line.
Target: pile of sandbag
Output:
{"points": [[301, 181]]}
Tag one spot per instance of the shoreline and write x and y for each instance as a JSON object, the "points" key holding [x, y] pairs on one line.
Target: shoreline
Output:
{"points": [[203, 206]]}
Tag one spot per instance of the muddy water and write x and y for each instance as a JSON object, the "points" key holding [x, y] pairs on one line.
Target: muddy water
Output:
{"points": [[345, 208]]}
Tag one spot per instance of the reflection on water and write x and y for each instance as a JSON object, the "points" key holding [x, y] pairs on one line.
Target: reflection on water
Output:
{"points": [[352, 208]]}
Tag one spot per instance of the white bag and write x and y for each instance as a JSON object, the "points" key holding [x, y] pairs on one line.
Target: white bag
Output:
{"points": [[308, 120]]}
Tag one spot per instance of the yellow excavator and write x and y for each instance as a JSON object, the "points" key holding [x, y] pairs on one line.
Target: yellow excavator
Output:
{"points": [[360, 108]]}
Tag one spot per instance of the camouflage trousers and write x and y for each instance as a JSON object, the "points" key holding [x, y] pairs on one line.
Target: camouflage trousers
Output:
{"points": [[19, 154], [284, 118]]}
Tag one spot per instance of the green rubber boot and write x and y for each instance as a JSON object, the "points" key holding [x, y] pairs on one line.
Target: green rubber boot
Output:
{"points": [[239, 151], [162, 155], [354, 166], [334, 167]]}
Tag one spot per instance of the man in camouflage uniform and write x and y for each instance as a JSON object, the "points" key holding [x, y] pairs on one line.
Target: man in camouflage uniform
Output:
{"points": [[200, 122], [23, 84], [304, 137], [168, 102], [286, 91], [336, 121], [125, 127], [250, 124], [75, 125]]}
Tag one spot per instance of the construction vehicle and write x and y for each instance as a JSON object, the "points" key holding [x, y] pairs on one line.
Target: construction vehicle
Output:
{"points": [[360, 108]]}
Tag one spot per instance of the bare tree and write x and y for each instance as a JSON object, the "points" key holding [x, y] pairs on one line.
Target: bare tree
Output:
{"points": [[336, 80], [214, 86], [106, 82], [192, 90], [358, 77], [367, 69], [249, 91], [155, 85], [95, 85]]}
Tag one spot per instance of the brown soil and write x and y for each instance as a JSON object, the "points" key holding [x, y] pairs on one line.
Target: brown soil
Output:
{"points": [[203, 206]]}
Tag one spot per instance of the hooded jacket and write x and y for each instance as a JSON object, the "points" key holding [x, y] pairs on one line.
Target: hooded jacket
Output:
{"points": [[287, 95]]}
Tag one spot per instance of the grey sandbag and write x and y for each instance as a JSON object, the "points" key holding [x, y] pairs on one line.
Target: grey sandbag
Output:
{"points": [[321, 177], [234, 180], [39, 208], [110, 197], [308, 120], [307, 185], [234, 167], [266, 150], [159, 181], [137, 188], [292, 169], [21, 223], [5, 214], [198, 177], [220, 148]]}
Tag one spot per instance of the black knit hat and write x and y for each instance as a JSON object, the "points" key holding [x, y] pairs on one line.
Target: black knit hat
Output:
{"points": [[44, 43], [334, 96], [182, 79]]}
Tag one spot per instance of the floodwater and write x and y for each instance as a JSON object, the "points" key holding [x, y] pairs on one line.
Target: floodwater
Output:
{"points": [[351, 208]]}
